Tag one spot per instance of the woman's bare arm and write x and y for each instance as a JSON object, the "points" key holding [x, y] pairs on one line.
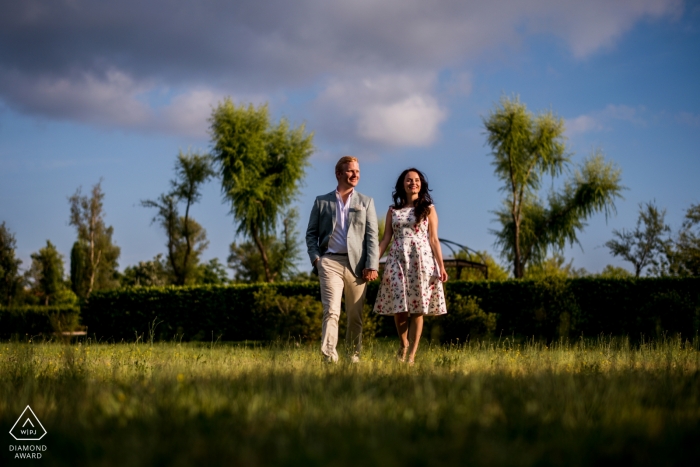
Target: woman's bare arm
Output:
{"points": [[388, 233], [435, 242]]}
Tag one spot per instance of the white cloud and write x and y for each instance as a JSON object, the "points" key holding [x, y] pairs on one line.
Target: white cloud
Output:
{"points": [[94, 61], [625, 113], [582, 124], [590, 25], [411, 122], [603, 119], [687, 118], [187, 113], [118, 100], [392, 110], [107, 99]]}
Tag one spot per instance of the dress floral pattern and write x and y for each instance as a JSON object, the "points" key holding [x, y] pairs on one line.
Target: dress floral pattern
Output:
{"points": [[411, 280]]}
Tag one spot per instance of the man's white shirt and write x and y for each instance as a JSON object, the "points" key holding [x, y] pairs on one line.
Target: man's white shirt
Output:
{"points": [[338, 243]]}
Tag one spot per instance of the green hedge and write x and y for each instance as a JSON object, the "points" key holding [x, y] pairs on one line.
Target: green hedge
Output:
{"points": [[590, 306], [190, 313], [544, 309], [31, 321]]}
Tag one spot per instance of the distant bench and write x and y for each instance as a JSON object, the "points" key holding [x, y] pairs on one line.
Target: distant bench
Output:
{"points": [[79, 331]]}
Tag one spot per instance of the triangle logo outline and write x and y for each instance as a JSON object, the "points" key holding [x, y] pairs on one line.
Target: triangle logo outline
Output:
{"points": [[28, 418]]}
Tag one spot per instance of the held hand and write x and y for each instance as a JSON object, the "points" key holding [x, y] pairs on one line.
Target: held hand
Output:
{"points": [[369, 274]]}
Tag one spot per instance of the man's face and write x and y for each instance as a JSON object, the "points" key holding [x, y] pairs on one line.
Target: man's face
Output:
{"points": [[350, 175]]}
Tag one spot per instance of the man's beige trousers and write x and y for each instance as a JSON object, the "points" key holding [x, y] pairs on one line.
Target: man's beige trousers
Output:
{"points": [[336, 277]]}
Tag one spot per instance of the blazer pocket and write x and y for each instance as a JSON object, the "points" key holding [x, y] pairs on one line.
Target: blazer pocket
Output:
{"points": [[358, 215]]}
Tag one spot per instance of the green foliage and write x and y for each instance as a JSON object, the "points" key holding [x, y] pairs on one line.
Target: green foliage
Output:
{"points": [[45, 276], [548, 309], [213, 273], [615, 272], [645, 245], [465, 320], [492, 404], [282, 252], [297, 317], [381, 226], [157, 273], [554, 267], [191, 312], [371, 324], [78, 268], [684, 256], [186, 238], [526, 148], [10, 278], [261, 167], [94, 253], [32, 321], [303, 276], [153, 273], [183, 264], [587, 306]]}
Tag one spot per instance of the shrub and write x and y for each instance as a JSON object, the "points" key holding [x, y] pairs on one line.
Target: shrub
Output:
{"points": [[465, 320], [37, 320], [189, 313], [589, 306], [546, 309], [297, 317]]}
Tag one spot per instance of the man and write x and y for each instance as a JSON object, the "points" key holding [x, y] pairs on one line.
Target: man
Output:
{"points": [[343, 246]]}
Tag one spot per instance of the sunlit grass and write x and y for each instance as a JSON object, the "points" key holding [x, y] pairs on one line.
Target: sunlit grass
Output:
{"points": [[500, 402]]}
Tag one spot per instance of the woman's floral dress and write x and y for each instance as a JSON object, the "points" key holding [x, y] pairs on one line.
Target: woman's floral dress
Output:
{"points": [[411, 280]]}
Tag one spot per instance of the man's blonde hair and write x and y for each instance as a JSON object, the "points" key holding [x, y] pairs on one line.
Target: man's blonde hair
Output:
{"points": [[344, 160]]}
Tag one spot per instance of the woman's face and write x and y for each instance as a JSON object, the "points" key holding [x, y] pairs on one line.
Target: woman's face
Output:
{"points": [[411, 183]]}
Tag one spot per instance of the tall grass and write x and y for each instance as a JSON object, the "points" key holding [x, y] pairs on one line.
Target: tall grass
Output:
{"points": [[486, 403]]}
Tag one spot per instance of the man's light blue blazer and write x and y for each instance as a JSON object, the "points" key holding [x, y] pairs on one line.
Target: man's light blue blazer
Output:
{"points": [[363, 241]]}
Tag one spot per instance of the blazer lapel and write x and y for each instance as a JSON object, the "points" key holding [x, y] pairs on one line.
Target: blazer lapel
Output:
{"points": [[333, 202]]}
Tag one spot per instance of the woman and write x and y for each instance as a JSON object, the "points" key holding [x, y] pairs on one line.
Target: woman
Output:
{"points": [[411, 286]]}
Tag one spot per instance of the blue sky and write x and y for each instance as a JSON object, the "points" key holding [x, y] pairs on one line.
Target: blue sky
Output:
{"points": [[92, 90]]}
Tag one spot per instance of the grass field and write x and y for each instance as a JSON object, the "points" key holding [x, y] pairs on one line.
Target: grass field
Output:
{"points": [[497, 403]]}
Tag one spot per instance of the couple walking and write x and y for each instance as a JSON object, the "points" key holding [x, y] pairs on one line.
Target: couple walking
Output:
{"points": [[344, 248]]}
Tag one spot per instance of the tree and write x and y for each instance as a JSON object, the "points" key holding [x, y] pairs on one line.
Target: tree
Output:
{"points": [[189, 242], [93, 256], [261, 167], [644, 246], [283, 251], [10, 278], [684, 252], [186, 238], [45, 276], [213, 273], [554, 266], [526, 148], [151, 273], [615, 272], [78, 268]]}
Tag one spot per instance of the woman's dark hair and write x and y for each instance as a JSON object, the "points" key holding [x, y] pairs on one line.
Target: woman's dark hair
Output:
{"points": [[422, 204]]}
